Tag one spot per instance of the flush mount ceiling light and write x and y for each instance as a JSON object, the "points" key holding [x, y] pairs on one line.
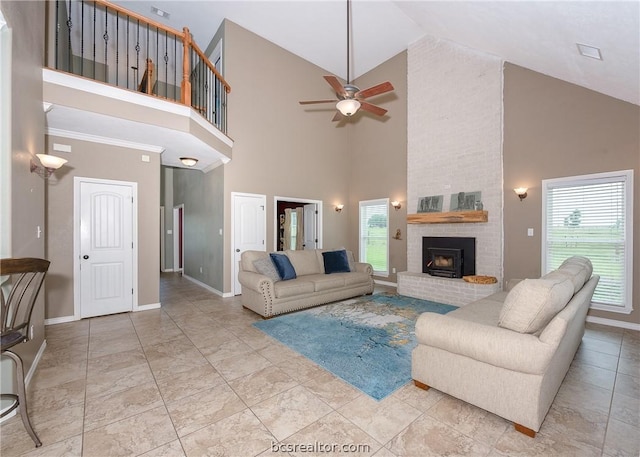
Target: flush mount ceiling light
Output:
{"points": [[589, 51], [188, 161]]}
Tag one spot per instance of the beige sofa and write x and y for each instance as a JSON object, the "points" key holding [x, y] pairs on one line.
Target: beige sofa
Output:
{"points": [[268, 296], [508, 353]]}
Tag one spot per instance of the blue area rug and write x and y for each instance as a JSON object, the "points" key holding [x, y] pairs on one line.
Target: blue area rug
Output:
{"points": [[366, 341]]}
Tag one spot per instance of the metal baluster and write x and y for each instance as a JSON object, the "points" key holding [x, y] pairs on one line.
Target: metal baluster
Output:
{"points": [[166, 65], [117, 45], [137, 67], [94, 41], [105, 37], [57, 33], [82, 38], [175, 68], [69, 26]]}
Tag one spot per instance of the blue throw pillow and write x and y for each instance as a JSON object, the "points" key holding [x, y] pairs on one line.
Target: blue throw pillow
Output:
{"points": [[284, 267], [336, 262]]}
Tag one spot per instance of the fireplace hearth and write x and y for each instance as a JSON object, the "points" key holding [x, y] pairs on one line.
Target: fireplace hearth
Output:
{"points": [[448, 257]]}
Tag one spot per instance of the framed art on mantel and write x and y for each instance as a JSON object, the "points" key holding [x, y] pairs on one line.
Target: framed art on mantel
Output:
{"points": [[465, 201], [431, 204]]}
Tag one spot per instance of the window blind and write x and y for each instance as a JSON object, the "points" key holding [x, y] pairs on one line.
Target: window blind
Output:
{"points": [[374, 234], [590, 216]]}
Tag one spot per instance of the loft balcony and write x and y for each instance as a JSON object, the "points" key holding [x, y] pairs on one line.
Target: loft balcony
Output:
{"points": [[116, 77]]}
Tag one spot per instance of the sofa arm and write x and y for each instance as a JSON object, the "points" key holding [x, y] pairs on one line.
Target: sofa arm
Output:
{"points": [[364, 268], [493, 345], [255, 281]]}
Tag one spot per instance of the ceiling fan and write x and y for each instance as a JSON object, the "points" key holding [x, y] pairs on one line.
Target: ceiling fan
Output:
{"points": [[349, 97]]}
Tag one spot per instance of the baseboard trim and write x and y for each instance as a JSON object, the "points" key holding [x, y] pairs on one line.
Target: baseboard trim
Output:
{"points": [[614, 323], [385, 283], [167, 270], [147, 307], [60, 320], [208, 287]]}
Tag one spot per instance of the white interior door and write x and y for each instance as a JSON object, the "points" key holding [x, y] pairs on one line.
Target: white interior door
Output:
{"points": [[106, 248], [311, 226], [249, 229]]}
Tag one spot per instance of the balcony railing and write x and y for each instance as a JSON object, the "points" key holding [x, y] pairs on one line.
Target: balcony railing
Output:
{"points": [[108, 43]]}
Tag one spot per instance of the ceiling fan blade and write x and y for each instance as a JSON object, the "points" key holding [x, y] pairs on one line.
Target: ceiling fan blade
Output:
{"points": [[335, 84], [310, 102], [375, 90], [366, 106], [337, 117]]}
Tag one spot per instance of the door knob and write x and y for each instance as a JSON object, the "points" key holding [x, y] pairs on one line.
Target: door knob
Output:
{"points": [[85, 257], [237, 250]]}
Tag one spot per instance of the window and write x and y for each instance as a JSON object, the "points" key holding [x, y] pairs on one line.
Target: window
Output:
{"points": [[374, 235], [591, 215]]}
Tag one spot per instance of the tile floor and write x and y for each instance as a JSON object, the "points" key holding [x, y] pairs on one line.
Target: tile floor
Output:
{"points": [[196, 379]]}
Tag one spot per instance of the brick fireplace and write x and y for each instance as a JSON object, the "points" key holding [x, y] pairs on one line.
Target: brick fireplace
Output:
{"points": [[454, 145]]}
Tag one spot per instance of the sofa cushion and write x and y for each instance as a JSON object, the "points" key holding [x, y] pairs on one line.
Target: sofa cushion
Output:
{"points": [[532, 303], [265, 266], [336, 262], [580, 260], [305, 262], [575, 273], [299, 286], [323, 282], [355, 278], [284, 267]]}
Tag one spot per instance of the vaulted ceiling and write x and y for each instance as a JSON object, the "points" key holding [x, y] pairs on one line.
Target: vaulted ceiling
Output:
{"points": [[539, 35]]}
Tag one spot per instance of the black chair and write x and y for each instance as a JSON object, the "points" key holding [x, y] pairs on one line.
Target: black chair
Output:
{"points": [[21, 282]]}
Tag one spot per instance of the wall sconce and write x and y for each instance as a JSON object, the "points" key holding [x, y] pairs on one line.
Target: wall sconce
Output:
{"points": [[49, 164], [188, 161], [521, 192], [396, 204], [339, 207]]}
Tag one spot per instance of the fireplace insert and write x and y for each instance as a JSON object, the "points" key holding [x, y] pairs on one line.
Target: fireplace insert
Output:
{"points": [[445, 262], [449, 257]]}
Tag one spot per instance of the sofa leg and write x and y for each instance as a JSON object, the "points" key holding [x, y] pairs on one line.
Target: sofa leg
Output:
{"points": [[522, 429], [421, 385]]}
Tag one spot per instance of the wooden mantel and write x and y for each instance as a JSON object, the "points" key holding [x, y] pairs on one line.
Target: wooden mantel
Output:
{"points": [[450, 217]]}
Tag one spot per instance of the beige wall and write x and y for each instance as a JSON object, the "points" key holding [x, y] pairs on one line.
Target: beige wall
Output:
{"points": [[94, 160], [282, 148], [555, 129], [203, 199], [378, 158], [27, 139]]}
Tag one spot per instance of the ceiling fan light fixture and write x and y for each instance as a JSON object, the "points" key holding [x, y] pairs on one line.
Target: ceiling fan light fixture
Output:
{"points": [[348, 106]]}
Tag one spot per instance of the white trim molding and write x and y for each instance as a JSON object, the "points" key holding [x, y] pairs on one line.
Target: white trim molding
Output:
{"points": [[104, 140], [613, 323], [209, 288]]}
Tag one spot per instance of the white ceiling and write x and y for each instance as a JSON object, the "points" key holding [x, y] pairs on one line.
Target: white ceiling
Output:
{"points": [[540, 35]]}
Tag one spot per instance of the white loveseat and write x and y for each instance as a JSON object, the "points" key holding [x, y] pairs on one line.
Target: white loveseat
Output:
{"points": [[508, 353], [268, 295]]}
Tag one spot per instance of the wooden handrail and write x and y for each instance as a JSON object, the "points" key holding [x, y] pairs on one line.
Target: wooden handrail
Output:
{"points": [[206, 60], [140, 17]]}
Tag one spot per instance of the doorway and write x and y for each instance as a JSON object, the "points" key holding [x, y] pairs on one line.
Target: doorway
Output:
{"points": [[178, 238], [248, 219], [298, 223], [105, 259]]}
